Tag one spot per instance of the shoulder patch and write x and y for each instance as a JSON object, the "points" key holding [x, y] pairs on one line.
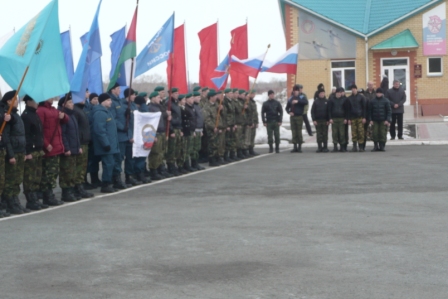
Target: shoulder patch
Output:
{"points": [[109, 119], [117, 107]]}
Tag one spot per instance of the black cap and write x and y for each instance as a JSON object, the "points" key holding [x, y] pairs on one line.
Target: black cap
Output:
{"points": [[63, 99], [270, 92], [8, 96], [379, 90], [115, 86], [297, 87], [102, 97], [340, 89], [128, 92], [27, 98], [140, 100], [321, 90], [92, 95], [354, 86]]}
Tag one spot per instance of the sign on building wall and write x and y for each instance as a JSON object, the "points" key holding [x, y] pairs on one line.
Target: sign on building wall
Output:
{"points": [[321, 40], [434, 31]]}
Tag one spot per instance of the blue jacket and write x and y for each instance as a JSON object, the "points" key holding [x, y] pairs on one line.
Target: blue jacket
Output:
{"points": [[118, 111], [104, 131], [70, 133]]}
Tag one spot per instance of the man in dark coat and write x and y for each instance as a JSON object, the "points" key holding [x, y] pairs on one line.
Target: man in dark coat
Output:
{"points": [[338, 112], [380, 115], [189, 128], [319, 114], [397, 97], [3, 141], [105, 139], [295, 108], [129, 162], [175, 138], [358, 115], [272, 118], [34, 154], [197, 140]]}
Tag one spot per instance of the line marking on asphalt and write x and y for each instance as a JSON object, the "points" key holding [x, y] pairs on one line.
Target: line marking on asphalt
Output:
{"points": [[50, 209]]}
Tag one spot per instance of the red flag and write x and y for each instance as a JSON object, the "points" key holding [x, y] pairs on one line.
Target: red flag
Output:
{"points": [[209, 55], [239, 48], [179, 76]]}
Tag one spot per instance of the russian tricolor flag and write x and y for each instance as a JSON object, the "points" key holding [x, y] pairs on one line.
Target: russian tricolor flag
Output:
{"points": [[286, 64], [250, 66]]}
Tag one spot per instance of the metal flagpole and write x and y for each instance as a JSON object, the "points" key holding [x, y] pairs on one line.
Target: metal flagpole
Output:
{"points": [[130, 84], [186, 59], [169, 84]]}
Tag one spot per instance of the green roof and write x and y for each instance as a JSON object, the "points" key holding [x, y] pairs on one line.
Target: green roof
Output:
{"points": [[363, 17], [404, 39]]}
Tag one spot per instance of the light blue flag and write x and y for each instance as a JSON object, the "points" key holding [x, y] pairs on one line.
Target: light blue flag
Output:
{"points": [[68, 54], [90, 52], [36, 45], [158, 49], [116, 45], [96, 76]]}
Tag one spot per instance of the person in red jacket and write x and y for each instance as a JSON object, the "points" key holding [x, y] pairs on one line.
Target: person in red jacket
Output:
{"points": [[52, 119]]}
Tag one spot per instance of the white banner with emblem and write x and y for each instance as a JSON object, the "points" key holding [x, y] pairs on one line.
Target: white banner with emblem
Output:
{"points": [[145, 130]]}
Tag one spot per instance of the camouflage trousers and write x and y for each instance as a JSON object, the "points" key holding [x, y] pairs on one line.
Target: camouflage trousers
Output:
{"points": [[358, 130], [322, 131], [157, 152], [14, 175], [222, 143], [240, 137], [231, 140], [32, 173], [174, 147], [296, 123], [66, 174], [183, 151], [50, 172], [212, 142], [338, 130], [197, 145], [253, 133], [379, 131], [81, 165], [2, 169], [247, 137]]}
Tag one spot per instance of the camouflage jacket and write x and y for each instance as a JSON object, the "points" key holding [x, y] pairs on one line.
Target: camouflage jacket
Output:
{"points": [[254, 111], [210, 112]]}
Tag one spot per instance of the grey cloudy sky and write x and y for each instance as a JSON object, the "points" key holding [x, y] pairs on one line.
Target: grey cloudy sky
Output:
{"points": [[263, 18]]}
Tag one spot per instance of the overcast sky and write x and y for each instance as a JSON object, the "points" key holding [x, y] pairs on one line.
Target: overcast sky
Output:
{"points": [[263, 18]]}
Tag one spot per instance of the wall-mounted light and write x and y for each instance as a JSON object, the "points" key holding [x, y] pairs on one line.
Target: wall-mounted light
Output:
{"points": [[393, 53]]}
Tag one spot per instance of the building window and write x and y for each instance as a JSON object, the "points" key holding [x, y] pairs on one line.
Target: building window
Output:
{"points": [[343, 74], [435, 66]]}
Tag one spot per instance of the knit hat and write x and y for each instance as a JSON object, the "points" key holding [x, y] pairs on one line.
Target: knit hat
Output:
{"points": [[270, 92], [103, 97], [92, 95], [379, 90], [139, 100], [320, 90], [340, 89], [354, 86], [8, 96], [64, 99]]}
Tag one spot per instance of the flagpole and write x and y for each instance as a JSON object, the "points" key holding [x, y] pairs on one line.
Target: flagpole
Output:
{"points": [[170, 81], [130, 82], [255, 81], [186, 58], [14, 99]]}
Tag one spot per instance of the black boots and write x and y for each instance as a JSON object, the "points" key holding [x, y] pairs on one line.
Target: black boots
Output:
{"points": [[271, 148], [212, 162], [277, 149], [154, 175], [343, 148], [375, 147], [245, 154], [227, 157], [50, 199], [32, 203], [252, 152], [362, 147], [319, 147], [239, 154], [325, 147], [355, 147], [12, 206], [107, 188], [295, 149], [187, 166], [163, 171], [195, 164], [233, 156], [172, 169], [94, 180], [382, 147], [299, 148], [118, 183], [142, 178], [335, 148], [67, 195], [79, 190], [130, 180]]}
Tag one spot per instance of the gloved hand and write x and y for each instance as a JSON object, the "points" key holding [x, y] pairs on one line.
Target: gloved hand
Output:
{"points": [[107, 148]]}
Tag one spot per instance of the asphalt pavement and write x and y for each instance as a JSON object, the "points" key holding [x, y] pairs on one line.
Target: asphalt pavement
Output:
{"points": [[353, 225]]}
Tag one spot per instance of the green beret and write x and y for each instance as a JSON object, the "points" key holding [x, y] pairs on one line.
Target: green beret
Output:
{"points": [[188, 95], [219, 92], [205, 89], [143, 94], [241, 91], [181, 96], [235, 90], [196, 94], [153, 94], [159, 88], [197, 88], [227, 90], [174, 89], [136, 92], [211, 93]]}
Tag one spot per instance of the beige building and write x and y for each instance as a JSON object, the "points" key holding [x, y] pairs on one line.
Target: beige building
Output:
{"points": [[342, 42]]}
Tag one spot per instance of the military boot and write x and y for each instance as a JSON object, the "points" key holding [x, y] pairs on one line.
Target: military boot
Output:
{"points": [[31, 202], [234, 157], [86, 184], [187, 166], [355, 147], [11, 205], [130, 180], [277, 148], [295, 149], [382, 147], [212, 162], [196, 165], [118, 183], [50, 199], [172, 169], [67, 195], [142, 178], [107, 188], [239, 154], [39, 194], [246, 154], [81, 191], [252, 152], [163, 171], [146, 172], [319, 147], [375, 147], [17, 200], [335, 148], [226, 157], [325, 147], [36, 198], [271, 148], [362, 147], [4, 214], [95, 180], [155, 176], [299, 148]]}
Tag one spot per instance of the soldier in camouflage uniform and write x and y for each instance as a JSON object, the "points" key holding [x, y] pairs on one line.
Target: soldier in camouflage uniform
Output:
{"points": [[162, 170], [254, 115], [229, 113], [3, 141], [240, 120], [369, 94], [213, 132], [180, 160], [175, 141], [189, 130], [34, 154], [197, 143], [358, 114], [338, 112]]}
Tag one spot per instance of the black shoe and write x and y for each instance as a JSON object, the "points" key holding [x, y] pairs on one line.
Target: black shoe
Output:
{"points": [[31, 202], [163, 171], [355, 147], [195, 164], [75, 193], [319, 147], [362, 147], [325, 147], [382, 147], [11, 206], [172, 169], [234, 156], [142, 178], [81, 191], [118, 183], [226, 157], [335, 148], [4, 214], [271, 148], [42, 205], [154, 175], [187, 167], [131, 181], [294, 150], [222, 161], [95, 180], [375, 147], [107, 188], [39, 194], [299, 148], [392, 138], [239, 154], [252, 152], [67, 195], [400, 138], [212, 162], [181, 170], [245, 154], [277, 149], [146, 172], [17, 200], [50, 199]]}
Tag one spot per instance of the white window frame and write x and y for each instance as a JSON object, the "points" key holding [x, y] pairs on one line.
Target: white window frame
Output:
{"points": [[342, 69], [441, 67]]}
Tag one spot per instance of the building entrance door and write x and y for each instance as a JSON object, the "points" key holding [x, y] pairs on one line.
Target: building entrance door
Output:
{"points": [[397, 69]]}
